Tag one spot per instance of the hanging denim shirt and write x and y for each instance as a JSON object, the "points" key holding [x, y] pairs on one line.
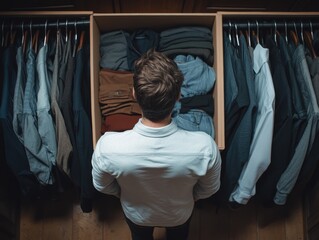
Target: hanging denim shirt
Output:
{"points": [[15, 153], [46, 126], [289, 177], [37, 152], [260, 148], [241, 118], [19, 95], [199, 79]]}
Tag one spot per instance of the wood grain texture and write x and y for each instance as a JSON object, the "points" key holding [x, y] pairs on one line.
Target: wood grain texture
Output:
{"points": [[107, 222]]}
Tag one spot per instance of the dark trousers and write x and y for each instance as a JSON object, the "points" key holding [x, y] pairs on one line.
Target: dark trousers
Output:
{"points": [[146, 233]]}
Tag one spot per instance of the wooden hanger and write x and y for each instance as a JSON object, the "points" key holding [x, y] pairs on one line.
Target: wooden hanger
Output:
{"points": [[294, 37], [35, 41], [24, 42], [308, 41], [46, 33], [81, 40]]}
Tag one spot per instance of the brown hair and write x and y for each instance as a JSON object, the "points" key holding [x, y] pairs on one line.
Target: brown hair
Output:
{"points": [[157, 85]]}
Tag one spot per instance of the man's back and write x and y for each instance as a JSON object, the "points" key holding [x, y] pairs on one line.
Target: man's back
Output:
{"points": [[160, 171]]}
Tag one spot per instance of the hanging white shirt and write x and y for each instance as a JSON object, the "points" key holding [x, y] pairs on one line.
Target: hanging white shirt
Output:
{"points": [[260, 148]]}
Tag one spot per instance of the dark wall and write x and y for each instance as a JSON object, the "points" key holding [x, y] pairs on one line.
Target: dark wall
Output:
{"points": [[148, 6]]}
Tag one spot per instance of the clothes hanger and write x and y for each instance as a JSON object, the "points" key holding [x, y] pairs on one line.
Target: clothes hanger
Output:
{"points": [[294, 35], [81, 40], [301, 33], [57, 29], [248, 34], [311, 30], [46, 33], [236, 33], [275, 33], [35, 41], [66, 30], [31, 36], [308, 41], [24, 34], [12, 34], [75, 39], [229, 32], [257, 33], [286, 32]]}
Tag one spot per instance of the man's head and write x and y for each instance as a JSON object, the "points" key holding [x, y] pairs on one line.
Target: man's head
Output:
{"points": [[157, 85]]}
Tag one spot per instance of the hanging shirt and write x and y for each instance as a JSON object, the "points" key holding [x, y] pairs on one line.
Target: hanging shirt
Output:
{"points": [[19, 95], [46, 127], [298, 98], [237, 152], [64, 146], [260, 148], [83, 131], [282, 147], [67, 112], [289, 177], [37, 152], [312, 159], [15, 153]]}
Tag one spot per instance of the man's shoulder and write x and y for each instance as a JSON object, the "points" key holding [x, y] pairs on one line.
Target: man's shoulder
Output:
{"points": [[196, 134], [198, 137], [114, 136]]}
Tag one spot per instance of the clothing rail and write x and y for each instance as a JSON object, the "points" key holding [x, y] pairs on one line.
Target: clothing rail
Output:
{"points": [[35, 23], [253, 24]]}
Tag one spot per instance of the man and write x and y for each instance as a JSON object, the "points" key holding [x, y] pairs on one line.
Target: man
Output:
{"points": [[157, 169]]}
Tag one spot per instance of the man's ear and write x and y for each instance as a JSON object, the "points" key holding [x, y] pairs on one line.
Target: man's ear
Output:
{"points": [[133, 94]]}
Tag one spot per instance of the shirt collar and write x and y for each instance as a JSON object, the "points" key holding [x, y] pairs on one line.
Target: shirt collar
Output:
{"points": [[167, 130], [261, 56]]}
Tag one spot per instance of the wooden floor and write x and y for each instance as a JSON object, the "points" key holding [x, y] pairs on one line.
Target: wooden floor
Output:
{"points": [[63, 219]]}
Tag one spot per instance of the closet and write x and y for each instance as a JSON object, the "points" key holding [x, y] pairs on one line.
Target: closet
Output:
{"points": [[293, 174], [63, 218]]}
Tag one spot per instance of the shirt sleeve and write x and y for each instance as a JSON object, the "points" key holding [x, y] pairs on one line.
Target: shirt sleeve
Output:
{"points": [[102, 180], [209, 184]]}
